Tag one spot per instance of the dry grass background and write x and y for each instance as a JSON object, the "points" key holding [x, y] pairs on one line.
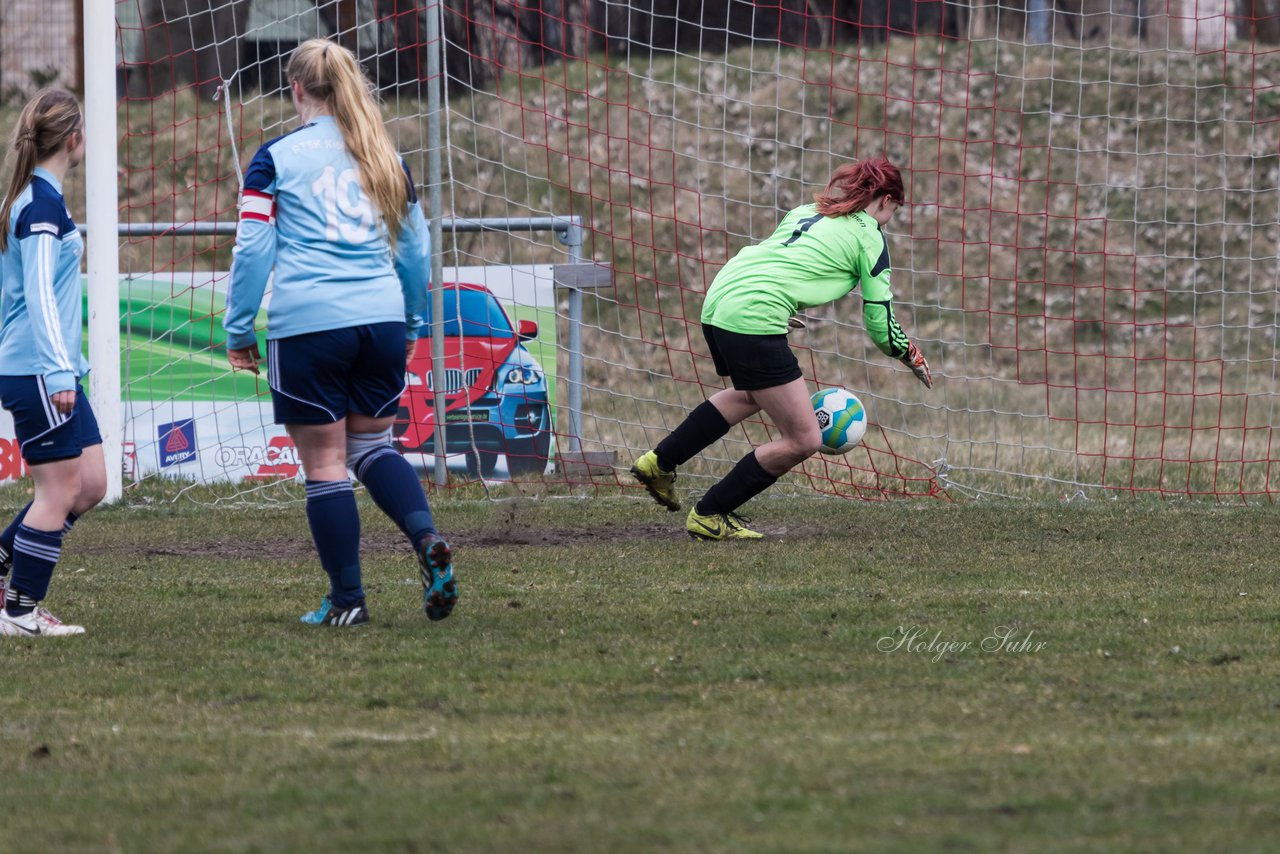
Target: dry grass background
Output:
{"points": [[1088, 257]]}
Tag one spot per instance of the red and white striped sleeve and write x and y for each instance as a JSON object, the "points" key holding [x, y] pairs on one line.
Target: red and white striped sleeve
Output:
{"points": [[258, 206]]}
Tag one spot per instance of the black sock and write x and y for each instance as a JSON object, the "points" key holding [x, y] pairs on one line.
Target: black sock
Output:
{"points": [[335, 528], [704, 425], [17, 603], [747, 480], [394, 487]]}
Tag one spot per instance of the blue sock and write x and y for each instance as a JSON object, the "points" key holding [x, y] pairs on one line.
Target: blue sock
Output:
{"points": [[35, 554], [6, 536], [335, 528], [394, 487]]}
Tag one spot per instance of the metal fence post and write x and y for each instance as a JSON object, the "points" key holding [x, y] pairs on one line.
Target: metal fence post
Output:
{"points": [[434, 183], [571, 236]]}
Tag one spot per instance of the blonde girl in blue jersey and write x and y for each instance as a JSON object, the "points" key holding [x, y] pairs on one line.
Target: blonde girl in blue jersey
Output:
{"points": [[331, 211], [40, 360]]}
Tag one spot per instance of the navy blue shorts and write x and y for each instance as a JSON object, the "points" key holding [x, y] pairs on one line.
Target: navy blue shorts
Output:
{"points": [[319, 377], [751, 362], [44, 434]]}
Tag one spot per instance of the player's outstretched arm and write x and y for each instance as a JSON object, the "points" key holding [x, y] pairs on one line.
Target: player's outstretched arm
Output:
{"points": [[883, 326], [891, 339]]}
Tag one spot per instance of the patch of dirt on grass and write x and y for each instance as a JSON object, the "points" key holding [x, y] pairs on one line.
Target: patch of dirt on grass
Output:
{"points": [[300, 546]]}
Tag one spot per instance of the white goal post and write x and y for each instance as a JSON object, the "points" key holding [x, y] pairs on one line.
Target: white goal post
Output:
{"points": [[102, 261]]}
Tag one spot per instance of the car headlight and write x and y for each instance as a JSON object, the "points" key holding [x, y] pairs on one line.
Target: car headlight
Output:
{"points": [[524, 376], [412, 379]]}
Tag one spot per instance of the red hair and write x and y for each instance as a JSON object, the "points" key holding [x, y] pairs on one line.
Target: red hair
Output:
{"points": [[854, 186]]}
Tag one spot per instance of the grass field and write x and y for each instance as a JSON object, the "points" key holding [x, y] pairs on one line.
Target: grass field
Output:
{"points": [[607, 684]]}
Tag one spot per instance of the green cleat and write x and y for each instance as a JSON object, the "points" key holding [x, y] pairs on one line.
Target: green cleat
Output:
{"points": [[661, 484], [719, 526]]}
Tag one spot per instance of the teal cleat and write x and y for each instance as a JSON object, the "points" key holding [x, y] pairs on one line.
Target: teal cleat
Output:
{"points": [[439, 589]]}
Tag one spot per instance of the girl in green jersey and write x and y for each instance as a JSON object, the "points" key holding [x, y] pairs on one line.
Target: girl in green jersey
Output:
{"points": [[819, 253]]}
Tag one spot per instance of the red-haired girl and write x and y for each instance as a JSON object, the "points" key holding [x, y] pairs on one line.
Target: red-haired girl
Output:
{"points": [[819, 253]]}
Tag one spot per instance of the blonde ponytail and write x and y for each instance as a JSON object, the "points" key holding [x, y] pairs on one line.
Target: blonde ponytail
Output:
{"points": [[46, 121], [329, 73]]}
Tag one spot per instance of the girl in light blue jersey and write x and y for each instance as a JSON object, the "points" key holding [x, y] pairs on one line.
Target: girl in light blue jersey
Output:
{"points": [[330, 209], [40, 361]]}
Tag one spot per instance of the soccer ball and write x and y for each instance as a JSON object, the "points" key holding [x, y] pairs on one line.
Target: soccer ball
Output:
{"points": [[841, 417]]}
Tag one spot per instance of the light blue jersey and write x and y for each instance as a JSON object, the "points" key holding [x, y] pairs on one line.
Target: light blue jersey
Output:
{"points": [[304, 215], [41, 307]]}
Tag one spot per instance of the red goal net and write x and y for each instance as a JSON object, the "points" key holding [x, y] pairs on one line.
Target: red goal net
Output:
{"points": [[1088, 254]]}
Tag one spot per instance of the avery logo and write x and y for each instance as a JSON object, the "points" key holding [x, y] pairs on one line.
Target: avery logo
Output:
{"points": [[177, 442]]}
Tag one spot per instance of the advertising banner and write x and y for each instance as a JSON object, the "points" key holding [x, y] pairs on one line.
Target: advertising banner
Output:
{"points": [[187, 415]]}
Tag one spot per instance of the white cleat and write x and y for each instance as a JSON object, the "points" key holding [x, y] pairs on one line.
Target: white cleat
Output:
{"points": [[36, 624]]}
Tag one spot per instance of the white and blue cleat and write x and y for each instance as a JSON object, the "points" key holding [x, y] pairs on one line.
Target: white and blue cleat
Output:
{"points": [[327, 615]]}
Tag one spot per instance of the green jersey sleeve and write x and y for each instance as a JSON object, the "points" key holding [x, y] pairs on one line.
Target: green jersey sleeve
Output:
{"points": [[877, 301]]}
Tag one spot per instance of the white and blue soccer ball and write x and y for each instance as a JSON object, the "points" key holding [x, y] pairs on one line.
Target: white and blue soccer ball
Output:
{"points": [[841, 417]]}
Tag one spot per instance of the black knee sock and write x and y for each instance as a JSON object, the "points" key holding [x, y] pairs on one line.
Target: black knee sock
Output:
{"points": [[747, 480], [704, 425]]}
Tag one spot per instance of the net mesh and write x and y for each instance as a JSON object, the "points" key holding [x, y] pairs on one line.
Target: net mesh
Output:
{"points": [[1087, 256]]}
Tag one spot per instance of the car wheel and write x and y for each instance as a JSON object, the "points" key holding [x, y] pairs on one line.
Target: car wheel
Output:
{"points": [[527, 457], [480, 464]]}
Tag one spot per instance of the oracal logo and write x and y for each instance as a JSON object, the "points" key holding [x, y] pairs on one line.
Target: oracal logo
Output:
{"points": [[12, 466], [455, 379], [278, 458]]}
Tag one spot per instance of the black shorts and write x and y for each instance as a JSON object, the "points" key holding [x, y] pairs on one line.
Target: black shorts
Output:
{"points": [[751, 361], [44, 434], [319, 377]]}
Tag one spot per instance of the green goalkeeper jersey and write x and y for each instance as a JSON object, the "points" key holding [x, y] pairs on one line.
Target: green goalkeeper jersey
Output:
{"points": [[809, 260]]}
